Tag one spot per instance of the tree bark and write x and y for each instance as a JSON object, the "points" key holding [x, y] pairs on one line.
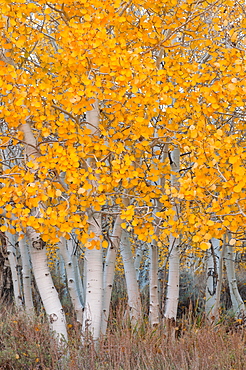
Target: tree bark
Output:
{"points": [[94, 282], [134, 300], [212, 291], [46, 288], [93, 255], [238, 306], [11, 252], [153, 286], [71, 280], [109, 272], [215, 310], [26, 276], [174, 257]]}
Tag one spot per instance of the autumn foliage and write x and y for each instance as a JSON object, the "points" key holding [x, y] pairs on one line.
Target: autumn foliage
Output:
{"points": [[162, 73]]}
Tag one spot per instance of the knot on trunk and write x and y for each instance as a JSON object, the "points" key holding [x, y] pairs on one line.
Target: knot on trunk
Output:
{"points": [[38, 244], [53, 318]]}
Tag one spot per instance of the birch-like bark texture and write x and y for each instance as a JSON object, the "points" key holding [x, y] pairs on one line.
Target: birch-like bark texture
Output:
{"points": [[78, 278], [71, 281], [26, 276], [138, 259], [238, 306], [93, 257], [109, 272], [212, 278], [173, 272], [94, 282], [11, 252], [215, 309], [79, 284], [154, 295], [46, 288], [154, 305], [134, 300]]}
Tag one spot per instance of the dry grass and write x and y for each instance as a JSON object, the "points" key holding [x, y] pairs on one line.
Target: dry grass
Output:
{"points": [[26, 344]]}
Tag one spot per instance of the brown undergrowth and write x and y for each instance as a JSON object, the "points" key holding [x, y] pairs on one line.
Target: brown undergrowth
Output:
{"points": [[26, 344]]}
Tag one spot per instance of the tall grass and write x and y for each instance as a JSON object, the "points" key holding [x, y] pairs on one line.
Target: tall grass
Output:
{"points": [[26, 344]]}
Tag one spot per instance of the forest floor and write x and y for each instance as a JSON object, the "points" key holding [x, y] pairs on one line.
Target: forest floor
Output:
{"points": [[26, 344]]}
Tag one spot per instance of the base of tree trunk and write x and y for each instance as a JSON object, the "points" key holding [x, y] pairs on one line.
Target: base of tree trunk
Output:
{"points": [[170, 328]]}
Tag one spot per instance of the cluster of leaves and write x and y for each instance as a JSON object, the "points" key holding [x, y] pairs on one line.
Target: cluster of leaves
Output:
{"points": [[165, 74]]}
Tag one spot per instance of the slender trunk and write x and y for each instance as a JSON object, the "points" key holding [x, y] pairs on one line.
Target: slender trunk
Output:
{"points": [[153, 286], [173, 280], [109, 272], [93, 254], [212, 291], [173, 272], [60, 272], [26, 276], [46, 288], [137, 260], [72, 251], [134, 300], [71, 281], [11, 252], [215, 309], [238, 306], [94, 281]]}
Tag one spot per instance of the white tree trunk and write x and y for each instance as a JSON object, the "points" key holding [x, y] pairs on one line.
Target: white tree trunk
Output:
{"points": [[92, 317], [94, 282], [93, 256], [173, 272], [109, 272], [153, 285], [46, 288], [71, 280], [238, 306], [173, 280], [137, 260], [212, 278], [134, 300], [77, 273], [26, 276], [215, 310], [11, 252]]}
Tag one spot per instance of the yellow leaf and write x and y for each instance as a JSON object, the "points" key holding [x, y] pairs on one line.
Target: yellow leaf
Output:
{"points": [[238, 188], [233, 159], [104, 244], [196, 238], [100, 187], [207, 236], [87, 17], [204, 246], [81, 190]]}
